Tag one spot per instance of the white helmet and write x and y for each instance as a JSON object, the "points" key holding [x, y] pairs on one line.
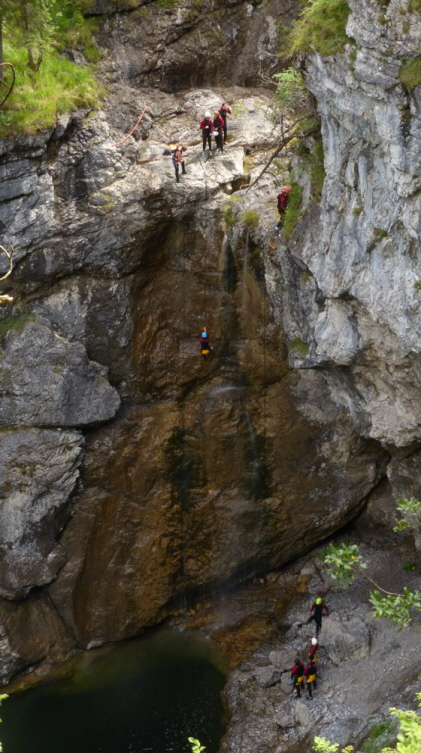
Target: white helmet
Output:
{"points": [[314, 641], [208, 115]]}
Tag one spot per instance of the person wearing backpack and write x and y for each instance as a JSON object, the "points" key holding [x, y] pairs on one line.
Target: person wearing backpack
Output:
{"points": [[206, 125], [297, 676], [218, 130], [177, 160], [310, 675], [283, 199], [224, 110]]}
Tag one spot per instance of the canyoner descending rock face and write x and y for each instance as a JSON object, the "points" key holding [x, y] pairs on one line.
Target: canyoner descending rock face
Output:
{"points": [[137, 474]]}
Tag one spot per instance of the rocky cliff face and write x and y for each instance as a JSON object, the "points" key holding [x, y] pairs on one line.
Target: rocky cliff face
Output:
{"points": [[135, 474], [361, 244]]}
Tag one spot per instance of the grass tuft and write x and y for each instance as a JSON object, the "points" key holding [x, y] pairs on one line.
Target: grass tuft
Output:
{"points": [[299, 345], [292, 213], [410, 73], [38, 97], [321, 27], [250, 219]]}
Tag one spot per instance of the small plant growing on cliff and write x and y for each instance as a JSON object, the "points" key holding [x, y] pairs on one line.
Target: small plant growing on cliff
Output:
{"points": [[228, 215], [321, 27], [410, 509], [299, 345], [291, 93], [250, 219], [410, 73]]}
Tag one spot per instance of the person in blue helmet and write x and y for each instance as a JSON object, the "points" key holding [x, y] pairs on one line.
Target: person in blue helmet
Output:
{"points": [[205, 346]]}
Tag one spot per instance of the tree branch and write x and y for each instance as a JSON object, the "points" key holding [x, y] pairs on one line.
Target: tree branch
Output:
{"points": [[283, 144]]}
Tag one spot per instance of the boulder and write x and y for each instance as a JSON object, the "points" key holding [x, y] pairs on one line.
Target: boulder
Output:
{"points": [[286, 718], [345, 637], [267, 676], [38, 472], [46, 380]]}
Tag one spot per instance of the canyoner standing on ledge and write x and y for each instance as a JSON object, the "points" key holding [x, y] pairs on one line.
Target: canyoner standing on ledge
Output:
{"points": [[218, 130], [177, 160], [224, 111], [310, 674], [297, 676], [207, 131], [312, 653]]}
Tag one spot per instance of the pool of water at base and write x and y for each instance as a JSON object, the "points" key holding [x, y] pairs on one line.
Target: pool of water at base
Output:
{"points": [[145, 696]]}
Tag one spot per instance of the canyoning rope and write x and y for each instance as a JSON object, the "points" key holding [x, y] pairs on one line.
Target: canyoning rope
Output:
{"points": [[8, 85], [9, 255], [137, 124]]}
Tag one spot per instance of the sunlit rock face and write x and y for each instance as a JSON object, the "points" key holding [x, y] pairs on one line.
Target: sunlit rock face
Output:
{"points": [[140, 474], [362, 244]]}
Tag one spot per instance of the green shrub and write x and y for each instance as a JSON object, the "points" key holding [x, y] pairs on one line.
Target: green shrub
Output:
{"points": [[357, 211], [410, 73], [414, 5], [292, 213], [250, 219], [321, 27]]}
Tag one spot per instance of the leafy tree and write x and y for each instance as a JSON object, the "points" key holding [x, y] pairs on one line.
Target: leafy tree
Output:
{"points": [[34, 21]]}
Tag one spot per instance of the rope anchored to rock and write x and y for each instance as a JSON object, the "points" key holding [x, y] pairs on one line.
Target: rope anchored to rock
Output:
{"points": [[6, 298], [140, 118]]}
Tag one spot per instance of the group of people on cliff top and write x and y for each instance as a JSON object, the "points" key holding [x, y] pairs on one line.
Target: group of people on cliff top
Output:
{"points": [[215, 126], [304, 676]]}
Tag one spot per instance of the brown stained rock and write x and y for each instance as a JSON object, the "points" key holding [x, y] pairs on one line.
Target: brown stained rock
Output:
{"points": [[31, 631]]}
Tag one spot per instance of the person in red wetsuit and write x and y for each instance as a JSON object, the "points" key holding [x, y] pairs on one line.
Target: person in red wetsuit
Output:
{"points": [[177, 160], [218, 130], [312, 653], [318, 608], [224, 111], [283, 199], [206, 125], [310, 676], [297, 675]]}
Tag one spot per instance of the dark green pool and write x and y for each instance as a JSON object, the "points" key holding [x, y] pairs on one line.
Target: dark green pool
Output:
{"points": [[146, 696]]}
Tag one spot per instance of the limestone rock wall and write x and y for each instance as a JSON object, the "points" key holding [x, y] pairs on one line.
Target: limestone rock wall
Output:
{"points": [[361, 245], [137, 476]]}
